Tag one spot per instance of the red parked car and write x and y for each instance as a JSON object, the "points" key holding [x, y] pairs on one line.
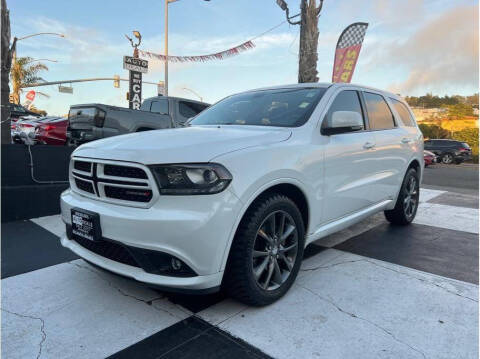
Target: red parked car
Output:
{"points": [[429, 158], [53, 132]]}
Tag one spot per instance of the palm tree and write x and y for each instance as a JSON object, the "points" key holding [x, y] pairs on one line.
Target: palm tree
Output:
{"points": [[23, 74]]}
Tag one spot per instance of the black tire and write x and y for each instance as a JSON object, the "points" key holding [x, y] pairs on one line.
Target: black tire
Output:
{"points": [[458, 162], [402, 214], [240, 281], [447, 158]]}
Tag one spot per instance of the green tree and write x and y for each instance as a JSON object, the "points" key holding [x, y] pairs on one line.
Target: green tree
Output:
{"points": [[24, 72], [470, 136], [433, 131], [473, 100], [458, 111]]}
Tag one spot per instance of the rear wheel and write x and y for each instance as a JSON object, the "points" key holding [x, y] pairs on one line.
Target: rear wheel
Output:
{"points": [[407, 201], [447, 158], [267, 251]]}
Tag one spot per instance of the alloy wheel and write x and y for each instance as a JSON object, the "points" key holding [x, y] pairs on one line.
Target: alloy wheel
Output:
{"points": [[275, 250], [410, 200], [447, 159]]}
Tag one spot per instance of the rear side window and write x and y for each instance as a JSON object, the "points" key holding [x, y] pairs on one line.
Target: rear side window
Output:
{"points": [[190, 109], [440, 143], [345, 101], [379, 115], [82, 112], [159, 106], [405, 115]]}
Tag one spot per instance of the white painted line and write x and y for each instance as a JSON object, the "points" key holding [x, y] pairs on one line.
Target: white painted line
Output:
{"points": [[356, 306], [52, 224], [85, 313], [428, 194], [449, 217]]}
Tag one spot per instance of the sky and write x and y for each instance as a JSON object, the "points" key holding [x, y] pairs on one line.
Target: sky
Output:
{"points": [[411, 47]]}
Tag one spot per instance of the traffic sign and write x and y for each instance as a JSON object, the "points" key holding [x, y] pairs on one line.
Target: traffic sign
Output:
{"points": [[30, 95], [65, 89], [134, 64]]}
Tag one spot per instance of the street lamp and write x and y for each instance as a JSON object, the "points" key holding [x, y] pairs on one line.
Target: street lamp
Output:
{"points": [[35, 60], [39, 33], [138, 36], [15, 39], [166, 43], [195, 93]]}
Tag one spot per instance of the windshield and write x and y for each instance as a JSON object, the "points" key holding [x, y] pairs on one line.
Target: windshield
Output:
{"points": [[280, 107]]}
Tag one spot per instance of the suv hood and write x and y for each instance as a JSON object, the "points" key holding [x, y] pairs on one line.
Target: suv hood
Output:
{"points": [[181, 145]]}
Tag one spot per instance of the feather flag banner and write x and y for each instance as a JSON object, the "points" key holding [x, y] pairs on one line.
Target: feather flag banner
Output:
{"points": [[201, 58], [347, 51]]}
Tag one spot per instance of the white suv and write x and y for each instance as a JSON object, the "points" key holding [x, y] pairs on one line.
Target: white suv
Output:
{"points": [[233, 199]]}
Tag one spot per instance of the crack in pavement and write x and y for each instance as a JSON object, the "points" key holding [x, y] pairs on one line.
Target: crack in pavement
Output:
{"points": [[393, 270], [353, 315], [42, 328], [330, 265], [119, 290]]}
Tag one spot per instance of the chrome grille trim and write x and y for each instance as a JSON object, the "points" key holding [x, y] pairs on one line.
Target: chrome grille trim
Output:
{"points": [[96, 175]]}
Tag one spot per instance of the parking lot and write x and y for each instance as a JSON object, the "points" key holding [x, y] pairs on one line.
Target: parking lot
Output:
{"points": [[375, 289]]}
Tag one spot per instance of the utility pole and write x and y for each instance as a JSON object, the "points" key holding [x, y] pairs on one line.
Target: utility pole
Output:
{"points": [[6, 65], [166, 47], [166, 43], [307, 56]]}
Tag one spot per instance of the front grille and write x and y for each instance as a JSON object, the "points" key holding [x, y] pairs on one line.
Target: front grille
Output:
{"points": [[82, 166], [124, 171], [122, 183], [84, 186], [128, 194]]}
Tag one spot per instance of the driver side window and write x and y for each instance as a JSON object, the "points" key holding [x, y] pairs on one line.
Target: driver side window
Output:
{"points": [[347, 100]]}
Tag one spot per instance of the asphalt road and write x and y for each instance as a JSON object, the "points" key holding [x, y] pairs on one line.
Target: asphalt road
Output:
{"points": [[457, 178]]}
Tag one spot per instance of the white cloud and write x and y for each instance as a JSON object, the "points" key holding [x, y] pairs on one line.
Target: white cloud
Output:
{"points": [[442, 54]]}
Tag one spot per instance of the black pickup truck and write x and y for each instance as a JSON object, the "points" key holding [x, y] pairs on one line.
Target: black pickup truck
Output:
{"points": [[95, 121]]}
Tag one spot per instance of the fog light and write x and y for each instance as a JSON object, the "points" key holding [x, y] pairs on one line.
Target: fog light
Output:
{"points": [[176, 264]]}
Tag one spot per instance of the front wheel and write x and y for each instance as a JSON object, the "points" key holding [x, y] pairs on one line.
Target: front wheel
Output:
{"points": [[447, 158], [407, 201], [266, 252]]}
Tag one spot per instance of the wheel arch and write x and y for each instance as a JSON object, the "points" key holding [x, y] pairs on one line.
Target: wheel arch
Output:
{"points": [[288, 187], [414, 163], [144, 128]]}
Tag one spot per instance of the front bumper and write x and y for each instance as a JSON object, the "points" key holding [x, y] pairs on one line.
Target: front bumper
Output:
{"points": [[198, 283], [194, 229]]}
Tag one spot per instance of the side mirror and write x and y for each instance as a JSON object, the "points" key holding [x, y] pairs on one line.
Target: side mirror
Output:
{"points": [[342, 122]]}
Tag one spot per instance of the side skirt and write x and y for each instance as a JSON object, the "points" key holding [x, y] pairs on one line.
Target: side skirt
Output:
{"points": [[347, 221]]}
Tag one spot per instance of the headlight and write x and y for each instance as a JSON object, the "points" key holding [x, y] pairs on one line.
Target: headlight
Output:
{"points": [[187, 179]]}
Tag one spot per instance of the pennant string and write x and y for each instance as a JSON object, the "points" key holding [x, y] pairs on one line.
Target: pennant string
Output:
{"points": [[202, 58], [217, 56]]}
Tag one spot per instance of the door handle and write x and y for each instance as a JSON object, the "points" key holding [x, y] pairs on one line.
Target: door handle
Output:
{"points": [[368, 145], [406, 140]]}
